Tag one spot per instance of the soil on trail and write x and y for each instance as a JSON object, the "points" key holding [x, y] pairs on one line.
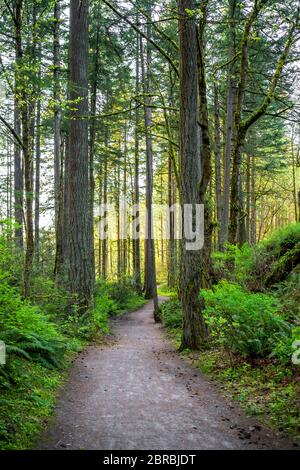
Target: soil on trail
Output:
{"points": [[137, 393]]}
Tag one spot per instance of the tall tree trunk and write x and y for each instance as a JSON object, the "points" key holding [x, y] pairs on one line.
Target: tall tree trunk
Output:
{"points": [[218, 176], [241, 221], [58, 177], [28, 172], [150, 288], [136, 247], [80, 277], [18, 181], [205, 155], [253, 202], [189, 164], [294, 169], [248, 197], [229, 122], [104, 240], [94, 88], [26, 108], [124, 254], [37, 183], [171, 243]]}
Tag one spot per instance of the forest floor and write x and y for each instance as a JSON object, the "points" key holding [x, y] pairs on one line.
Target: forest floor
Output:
{"points": [[136, 392]]}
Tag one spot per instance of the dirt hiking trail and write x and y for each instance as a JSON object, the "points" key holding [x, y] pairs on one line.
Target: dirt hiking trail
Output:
{"points": [[136, 393]]}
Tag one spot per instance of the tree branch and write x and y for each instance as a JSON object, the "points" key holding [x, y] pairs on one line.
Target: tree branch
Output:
{"points": [[162, 52]]}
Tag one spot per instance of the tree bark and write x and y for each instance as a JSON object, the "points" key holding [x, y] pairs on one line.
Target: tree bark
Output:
{"points": [[189, 164], [150, 288], [80, 277], [229, 122], [218, 175], [58, 177], [136, 247]]}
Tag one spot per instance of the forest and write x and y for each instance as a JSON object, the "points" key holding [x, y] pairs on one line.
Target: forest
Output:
{"points": [[149, 198]]}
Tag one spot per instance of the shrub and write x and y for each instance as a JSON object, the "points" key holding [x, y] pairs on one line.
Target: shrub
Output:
{"points": [[104, 306], [171, 314], [284, 349], [244, 323]]}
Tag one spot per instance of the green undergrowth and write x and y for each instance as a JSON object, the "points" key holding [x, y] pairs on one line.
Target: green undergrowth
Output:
{"points": [[267, 389], [252, 330], [164, 290], [42, 338]]}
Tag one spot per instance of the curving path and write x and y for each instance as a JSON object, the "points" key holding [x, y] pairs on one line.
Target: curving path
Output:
{"points": [[136, 393]]}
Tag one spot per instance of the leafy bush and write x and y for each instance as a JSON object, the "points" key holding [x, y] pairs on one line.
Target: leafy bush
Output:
{"points": [[171, 314], [284, 349], [244, 323], [104, 306]]}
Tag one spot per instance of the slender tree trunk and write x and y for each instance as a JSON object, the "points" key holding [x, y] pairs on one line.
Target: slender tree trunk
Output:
{"points": [[253, 202], [124, 254], [241, 220], [150, 288], [218, 176], [37, 183], [136, 247], [18, 181], [295, 196], [104, 240], [205, 183], [58, 177], [171, 244], [229, 122], [25, 109], [248, 197]]}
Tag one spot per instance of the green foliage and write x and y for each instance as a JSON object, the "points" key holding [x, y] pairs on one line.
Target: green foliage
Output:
{"points": [[241, 257], [122, 293], [27, 403], [269, 391], [289, 294], [276, 258], [163, 289], [27, 331], [284, 348], [104, 306], [244, 323], [281, 240], [10, 265], [171, 314], [41, 336]]}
